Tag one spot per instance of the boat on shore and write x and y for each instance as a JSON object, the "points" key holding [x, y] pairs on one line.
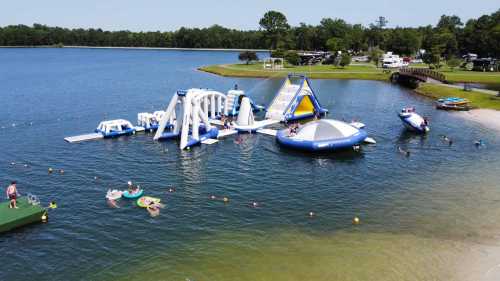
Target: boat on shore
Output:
{"points": [[413, 121], [453, 103]]}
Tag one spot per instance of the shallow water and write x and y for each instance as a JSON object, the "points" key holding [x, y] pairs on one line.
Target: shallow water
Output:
{"points": [[420, 215]]}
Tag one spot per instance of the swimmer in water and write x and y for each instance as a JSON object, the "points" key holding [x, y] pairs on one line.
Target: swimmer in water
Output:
{"points": [[479, 143], [404, 152], [113, 204], [238, 140], [171, 190], [448, 140], [154, 208]]}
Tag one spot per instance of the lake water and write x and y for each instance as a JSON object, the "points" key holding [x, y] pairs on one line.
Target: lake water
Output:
{"points": [[422, 217]]}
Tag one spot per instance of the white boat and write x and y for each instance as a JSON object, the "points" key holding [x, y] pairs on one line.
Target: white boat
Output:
{"points": [[413, 121]]}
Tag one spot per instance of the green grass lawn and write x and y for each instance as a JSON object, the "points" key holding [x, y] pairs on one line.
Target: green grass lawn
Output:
{"points": [[478, 99], [354, 71]]}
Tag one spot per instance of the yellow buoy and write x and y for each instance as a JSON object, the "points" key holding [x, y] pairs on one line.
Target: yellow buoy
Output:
{"points": [[225, 199], [355, 220]]}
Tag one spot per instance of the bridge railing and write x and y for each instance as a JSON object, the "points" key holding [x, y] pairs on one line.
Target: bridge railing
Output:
{"points": [[424, 72]]}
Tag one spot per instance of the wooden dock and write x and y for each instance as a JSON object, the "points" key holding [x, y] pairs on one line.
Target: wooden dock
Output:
{"points": [[24, 215]]}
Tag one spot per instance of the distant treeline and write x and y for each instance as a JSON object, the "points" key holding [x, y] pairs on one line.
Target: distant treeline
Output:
{"points": [[449, 37]]}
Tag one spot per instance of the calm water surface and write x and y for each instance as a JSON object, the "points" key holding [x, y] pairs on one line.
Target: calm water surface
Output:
{"points": [[421, 216]]}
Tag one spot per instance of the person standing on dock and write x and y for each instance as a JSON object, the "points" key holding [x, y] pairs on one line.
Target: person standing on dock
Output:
{"points": [[12, 194]]}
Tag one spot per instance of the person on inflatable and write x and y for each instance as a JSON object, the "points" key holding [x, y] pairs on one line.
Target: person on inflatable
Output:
{"points": [[154, 208], [132, 189]]}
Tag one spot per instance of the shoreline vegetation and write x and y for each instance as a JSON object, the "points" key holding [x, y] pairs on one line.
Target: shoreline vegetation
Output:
{"points": [[136, 48]]}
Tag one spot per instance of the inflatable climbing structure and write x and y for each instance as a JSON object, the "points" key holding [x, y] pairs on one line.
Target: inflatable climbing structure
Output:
{"points": [[295, 100]]}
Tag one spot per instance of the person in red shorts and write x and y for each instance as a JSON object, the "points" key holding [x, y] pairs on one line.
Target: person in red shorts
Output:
{"points": [[12, 194]]}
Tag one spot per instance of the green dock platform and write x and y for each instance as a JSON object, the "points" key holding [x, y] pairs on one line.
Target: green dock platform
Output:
{"points": [[24, 215]]}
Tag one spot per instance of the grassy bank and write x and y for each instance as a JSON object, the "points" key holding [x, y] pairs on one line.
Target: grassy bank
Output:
{"points": [[460, 76], [478, 99], [353, 71], [364, 72]]}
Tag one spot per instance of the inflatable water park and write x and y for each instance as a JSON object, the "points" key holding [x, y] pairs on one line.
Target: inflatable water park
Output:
{"points": [[203, 116]]}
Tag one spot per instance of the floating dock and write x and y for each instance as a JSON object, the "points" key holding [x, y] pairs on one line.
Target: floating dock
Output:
{"points": [[95, 136], [25, 214], [227, 132], [269, 132]]}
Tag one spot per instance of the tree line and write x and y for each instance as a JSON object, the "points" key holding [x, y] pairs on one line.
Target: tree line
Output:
{"points": [[449, 37]]}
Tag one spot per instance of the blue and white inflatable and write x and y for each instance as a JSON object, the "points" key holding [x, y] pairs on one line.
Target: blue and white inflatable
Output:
{"points": [[413, 121], [115, 128], [322, 135]]}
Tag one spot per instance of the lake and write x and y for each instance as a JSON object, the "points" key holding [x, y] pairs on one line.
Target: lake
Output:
{"points": [[422, 217]]}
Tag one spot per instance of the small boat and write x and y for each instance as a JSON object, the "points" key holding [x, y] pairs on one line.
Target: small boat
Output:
{"points": [[322, 135], [453, 103], [413, 121], [145, 201], [114, 194], [134, 195], [115, 128]]}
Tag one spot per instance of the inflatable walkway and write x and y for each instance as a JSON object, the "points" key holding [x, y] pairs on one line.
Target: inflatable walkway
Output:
{"points": [[295, 101]]}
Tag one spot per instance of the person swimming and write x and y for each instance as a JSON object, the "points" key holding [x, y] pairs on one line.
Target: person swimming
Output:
{"points": [[404, 152], [479, 143], [448, 140], [154, 208]]}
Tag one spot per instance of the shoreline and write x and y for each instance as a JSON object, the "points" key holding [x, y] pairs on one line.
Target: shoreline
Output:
{"points": [[135, 48], [488, 118], [353, 71]]}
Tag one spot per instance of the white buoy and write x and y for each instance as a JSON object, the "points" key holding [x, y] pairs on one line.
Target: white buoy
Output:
{"points": [[370, 140]]}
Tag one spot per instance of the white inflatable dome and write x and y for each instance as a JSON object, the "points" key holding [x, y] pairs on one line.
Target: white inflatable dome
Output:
{"points": [[325, 130]]}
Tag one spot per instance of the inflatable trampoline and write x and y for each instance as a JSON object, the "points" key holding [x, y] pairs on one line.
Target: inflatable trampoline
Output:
{"points": [[322, 135], [135, 195]]}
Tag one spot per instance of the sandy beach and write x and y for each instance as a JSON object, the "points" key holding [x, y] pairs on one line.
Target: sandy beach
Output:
{"points": [[487, 117]]}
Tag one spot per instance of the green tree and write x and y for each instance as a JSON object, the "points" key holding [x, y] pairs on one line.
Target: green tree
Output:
{"points": [[278, 53], [248, 56], [345, 60], [275, 26], [432, 57], [375, 55], [335, 44], [453, 62], [292, 58], [403, 41]]}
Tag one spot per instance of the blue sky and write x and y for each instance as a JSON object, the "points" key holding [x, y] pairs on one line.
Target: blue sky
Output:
{"points": [[150, 15]]}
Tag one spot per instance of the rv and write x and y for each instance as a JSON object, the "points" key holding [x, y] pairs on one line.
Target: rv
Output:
{"points": [[389, 60]]}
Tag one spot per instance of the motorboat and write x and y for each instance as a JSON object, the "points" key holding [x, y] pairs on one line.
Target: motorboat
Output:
{"points": [[414, 121]]}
